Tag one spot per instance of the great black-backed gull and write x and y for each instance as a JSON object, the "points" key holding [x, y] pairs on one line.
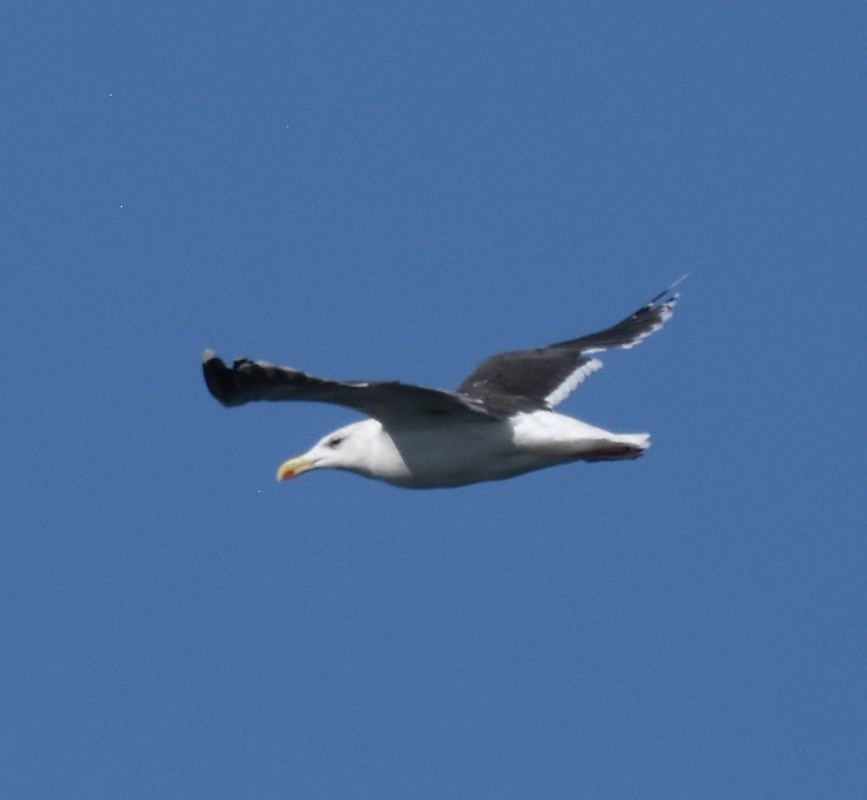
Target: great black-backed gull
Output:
{"points": [[497, 424]]}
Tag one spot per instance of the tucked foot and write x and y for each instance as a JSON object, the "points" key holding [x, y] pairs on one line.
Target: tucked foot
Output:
{"points": [[620, 452]]}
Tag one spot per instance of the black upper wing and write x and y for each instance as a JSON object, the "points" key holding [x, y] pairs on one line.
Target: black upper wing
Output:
{"points": [[388, 401], [543, 376]]}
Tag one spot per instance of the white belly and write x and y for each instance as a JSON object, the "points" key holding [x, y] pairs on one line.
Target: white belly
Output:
{"points": [[488, 450]]}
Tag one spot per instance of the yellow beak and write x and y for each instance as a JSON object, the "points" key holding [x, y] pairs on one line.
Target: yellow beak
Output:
{"points": [[294, 467]]}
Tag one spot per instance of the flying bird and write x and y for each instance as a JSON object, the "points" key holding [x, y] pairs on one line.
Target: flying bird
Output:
{"points": [[497, 424]]}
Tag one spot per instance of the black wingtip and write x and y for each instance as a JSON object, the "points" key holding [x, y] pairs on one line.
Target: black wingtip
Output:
{"points": [[668, 292], [218, 377]]}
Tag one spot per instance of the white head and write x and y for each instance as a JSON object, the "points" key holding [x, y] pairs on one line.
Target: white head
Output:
{"points": [[354, 448]]}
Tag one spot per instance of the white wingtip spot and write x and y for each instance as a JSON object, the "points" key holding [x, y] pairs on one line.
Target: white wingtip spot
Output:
{"points": [[665, 311]]}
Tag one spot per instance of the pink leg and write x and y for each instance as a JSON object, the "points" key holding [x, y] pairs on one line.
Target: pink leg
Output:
{"points": [[617, 452]]}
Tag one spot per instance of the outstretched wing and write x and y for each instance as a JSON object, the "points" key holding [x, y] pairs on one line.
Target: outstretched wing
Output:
{"points": [[388, 401], [544, 376]]}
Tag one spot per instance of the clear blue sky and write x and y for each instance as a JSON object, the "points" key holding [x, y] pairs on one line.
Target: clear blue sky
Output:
{"points": [[396, 190]]}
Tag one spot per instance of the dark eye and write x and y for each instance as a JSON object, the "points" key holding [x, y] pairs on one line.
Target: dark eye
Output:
{"points": [[335, 441]]}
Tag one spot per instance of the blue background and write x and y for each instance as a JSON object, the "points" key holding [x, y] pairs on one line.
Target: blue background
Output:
{"points": [[396, 190]]}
